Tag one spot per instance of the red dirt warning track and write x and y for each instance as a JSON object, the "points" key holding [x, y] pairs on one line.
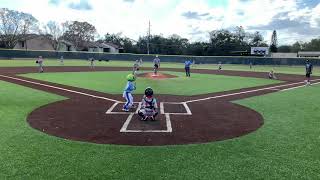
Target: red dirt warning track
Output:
{"points": [[96, 117]]}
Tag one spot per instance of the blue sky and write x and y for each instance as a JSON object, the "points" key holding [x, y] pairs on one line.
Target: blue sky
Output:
{"points": [[218, 3], [294, 20]]}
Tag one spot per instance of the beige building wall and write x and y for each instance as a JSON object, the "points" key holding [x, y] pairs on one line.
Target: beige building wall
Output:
{"points": [[37, 43], [283, 55]]}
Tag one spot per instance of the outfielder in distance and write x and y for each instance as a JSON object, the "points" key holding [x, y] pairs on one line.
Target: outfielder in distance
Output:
{"points": [[40, 63], [156, 65], [187, 65], [309, 68], [127, 93]]}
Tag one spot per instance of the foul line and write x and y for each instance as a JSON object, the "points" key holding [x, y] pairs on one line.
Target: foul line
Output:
{"points": [[246, 92], [63, 89], [298, 87]]}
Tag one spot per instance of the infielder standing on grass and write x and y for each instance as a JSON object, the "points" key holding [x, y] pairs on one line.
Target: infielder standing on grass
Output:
{"points": [[91, 62], [140, 62], [127, 94], [156, 64], [309, 68], [187, 65], [40, 63], [61, 60], [136, 66], [220, 65]]}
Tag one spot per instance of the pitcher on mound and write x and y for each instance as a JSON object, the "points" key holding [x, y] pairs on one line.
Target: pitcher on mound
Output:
{"points": [[156, 65]]}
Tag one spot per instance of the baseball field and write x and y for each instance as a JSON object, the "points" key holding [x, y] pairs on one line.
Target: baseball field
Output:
{"points": [[234, 123]]}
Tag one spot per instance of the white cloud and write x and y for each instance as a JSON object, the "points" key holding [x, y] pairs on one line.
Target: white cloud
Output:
{"points": [[166, 16]]}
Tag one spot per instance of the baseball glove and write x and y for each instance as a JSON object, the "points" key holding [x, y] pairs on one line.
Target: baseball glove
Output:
{"points": [[37, 62]]}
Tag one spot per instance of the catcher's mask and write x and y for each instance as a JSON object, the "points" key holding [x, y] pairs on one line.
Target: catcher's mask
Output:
{"points": [[148, 92]]}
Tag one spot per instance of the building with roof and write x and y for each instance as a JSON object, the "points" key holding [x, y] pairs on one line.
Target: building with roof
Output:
{"points": [[42, 42], [284, 55], [314, 54], [35, 42], [102, 47]]}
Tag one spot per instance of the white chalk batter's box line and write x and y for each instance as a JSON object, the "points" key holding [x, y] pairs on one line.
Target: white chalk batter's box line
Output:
{"points": [[167, 115], [162, 111]]}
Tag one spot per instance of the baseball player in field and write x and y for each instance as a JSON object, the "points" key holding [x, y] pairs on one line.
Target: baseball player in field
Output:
{"points": [[272, 75], [220, 65], [187, 65], [61, 60], [91, 62], [127, 93], [156, 65], [149, 107], [309, 69], [136, 66], [40, 64]]}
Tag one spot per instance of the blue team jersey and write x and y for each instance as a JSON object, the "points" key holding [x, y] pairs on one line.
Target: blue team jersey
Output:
{"points": [[156, 61], [187, 63], [130, 87], [308, 68]]}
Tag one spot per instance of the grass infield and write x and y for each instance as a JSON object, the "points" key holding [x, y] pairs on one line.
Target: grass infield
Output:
{"points": [[114, 82]]}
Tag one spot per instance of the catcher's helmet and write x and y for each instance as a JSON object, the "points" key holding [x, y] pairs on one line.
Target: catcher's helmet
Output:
{"points": [[148, 92], [131, 77]]}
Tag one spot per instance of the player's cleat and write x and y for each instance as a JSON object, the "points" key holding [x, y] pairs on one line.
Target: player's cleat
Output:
{"points": [[144, 118], [126, 110], [152, 118]]}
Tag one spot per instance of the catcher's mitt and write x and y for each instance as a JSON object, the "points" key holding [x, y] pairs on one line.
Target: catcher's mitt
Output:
{"points": [[37, 62]]}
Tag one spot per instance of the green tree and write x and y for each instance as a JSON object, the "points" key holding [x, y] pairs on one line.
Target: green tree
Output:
{"points": [[54, 32], [296, 47], [15, 26], [257, 39], [284, 49], [313, 45], [79, 33], [274, 42]]}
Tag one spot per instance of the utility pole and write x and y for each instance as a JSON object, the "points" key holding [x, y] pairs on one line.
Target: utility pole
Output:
{"points": [[148, 43]]}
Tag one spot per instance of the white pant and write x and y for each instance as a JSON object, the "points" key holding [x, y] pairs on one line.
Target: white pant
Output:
{"points": [[129, 98], [40, 66], [147, 112]]}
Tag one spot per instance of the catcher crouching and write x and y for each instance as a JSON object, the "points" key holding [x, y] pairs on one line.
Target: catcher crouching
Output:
{"points": [[149, 107]]}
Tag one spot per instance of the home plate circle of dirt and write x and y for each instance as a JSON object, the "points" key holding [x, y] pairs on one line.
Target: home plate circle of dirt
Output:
{"points": [[98, 121], [96, 117]]}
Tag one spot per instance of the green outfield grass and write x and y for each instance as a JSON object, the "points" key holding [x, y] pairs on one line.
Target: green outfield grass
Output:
{"points": [[285, 147], [257, 68], [114, 82]]}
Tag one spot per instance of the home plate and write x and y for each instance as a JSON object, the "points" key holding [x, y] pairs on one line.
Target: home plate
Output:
{"points": [[139, 125]]}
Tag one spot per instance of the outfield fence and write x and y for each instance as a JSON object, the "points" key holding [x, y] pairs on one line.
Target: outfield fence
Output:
{"points": [[11, 54]]}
